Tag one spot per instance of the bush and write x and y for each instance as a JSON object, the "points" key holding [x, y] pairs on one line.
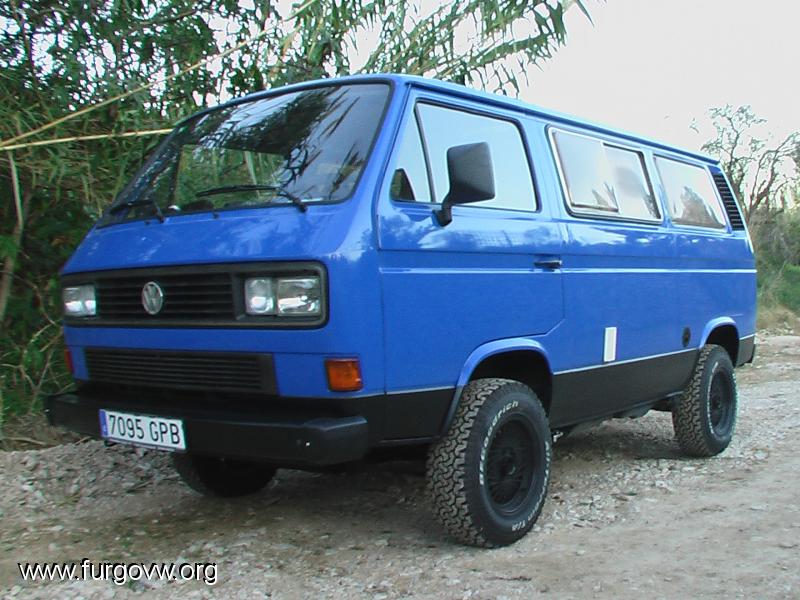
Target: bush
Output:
{"points": [[776, 238], [788, 288]]}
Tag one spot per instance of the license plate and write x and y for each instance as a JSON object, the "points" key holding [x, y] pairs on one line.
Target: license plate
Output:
{"points": [[140, 430]]}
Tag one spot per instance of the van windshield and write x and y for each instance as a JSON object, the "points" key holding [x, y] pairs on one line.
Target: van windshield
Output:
{"points": [[297, 148]]}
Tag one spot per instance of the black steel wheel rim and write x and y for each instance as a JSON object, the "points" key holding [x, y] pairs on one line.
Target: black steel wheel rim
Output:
{"points": [[511, 466], [720, 399]]}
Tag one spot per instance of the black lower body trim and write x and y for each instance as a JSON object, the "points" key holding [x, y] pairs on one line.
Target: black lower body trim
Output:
{"points": [[288, 442], [747, 350], [416, 414], [292, 432], [603, 391]]}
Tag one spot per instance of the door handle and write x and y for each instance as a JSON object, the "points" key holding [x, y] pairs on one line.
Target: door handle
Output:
{"points": [[548, 263]]}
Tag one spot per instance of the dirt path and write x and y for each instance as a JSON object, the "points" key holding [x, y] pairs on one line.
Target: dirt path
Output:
{"points": [[626, 517]]}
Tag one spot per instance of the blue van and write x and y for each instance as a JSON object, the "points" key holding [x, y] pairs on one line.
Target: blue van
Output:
{"points": [[383, 266]]}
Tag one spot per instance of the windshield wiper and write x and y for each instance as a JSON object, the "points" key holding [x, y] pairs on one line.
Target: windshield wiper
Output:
{"points": [[279, 191], [141, 202]]}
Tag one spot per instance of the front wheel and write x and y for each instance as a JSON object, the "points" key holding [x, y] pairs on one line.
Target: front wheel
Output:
{"points": [[705, 417], [488, 476], [222, 477]]}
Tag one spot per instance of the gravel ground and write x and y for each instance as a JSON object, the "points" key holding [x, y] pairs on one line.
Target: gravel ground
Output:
{"points": [[626, 517]]}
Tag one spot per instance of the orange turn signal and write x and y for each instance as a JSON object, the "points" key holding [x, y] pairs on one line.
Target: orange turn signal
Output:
{"points": [[68, 361], [344, 374]]}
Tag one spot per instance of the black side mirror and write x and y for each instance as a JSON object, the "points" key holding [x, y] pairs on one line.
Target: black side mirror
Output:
{"points": [[471, 178]]}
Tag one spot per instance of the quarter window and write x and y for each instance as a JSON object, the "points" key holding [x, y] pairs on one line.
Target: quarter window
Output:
{"points": [[690, 194], [410, 178], [444, 128], [604, 179]]}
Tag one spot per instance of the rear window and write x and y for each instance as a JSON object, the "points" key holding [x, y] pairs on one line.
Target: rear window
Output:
{"points": [[691, 197], [603, 179]]}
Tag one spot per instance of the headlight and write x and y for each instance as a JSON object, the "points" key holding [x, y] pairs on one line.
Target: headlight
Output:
{"points": [[299, 296], [290, 296], [79, 301], [259, 298]]}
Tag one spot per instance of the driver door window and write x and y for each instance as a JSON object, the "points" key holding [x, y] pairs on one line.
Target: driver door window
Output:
{"points": [[444, 128]]}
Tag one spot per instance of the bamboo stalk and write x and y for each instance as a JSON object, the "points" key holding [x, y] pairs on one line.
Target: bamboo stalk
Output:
{"points": [[26, 440], [10, 262], [5, 144], [15, 188], [85, 138]]}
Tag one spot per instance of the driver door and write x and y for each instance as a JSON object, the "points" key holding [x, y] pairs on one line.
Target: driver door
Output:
{"points": [[492, 273]]}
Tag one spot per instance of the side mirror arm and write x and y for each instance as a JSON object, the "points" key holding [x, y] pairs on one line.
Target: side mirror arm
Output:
{"points": [[444, 215]]}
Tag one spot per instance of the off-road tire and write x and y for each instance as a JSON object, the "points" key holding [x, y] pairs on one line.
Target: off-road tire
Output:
{"points": [[222, 477], [704, 418], [477, 463]]}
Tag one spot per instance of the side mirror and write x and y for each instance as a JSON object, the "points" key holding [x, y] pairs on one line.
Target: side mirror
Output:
{"points": [[469, 168]]}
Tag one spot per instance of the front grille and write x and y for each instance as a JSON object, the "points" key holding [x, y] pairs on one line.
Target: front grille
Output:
{"points": [[734, 214], [186, 296], [203, 295], [221, 371]]}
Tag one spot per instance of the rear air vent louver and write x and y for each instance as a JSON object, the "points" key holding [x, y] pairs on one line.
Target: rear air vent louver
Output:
{"points": [[734, 214]]}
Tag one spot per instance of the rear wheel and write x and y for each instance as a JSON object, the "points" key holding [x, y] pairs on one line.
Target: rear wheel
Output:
{"points": [[488, 476], [705, 417], [222, 477]]}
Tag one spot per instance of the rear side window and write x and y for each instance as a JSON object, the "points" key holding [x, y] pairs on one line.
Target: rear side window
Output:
{"points": [[603, 179], [690, 194], [444, 128]]}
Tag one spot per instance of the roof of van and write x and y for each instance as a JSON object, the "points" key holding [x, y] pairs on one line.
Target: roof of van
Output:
{"points": [[454, 89]]}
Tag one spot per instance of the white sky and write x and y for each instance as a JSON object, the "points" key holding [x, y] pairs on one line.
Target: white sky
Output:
{"points": [[652, 66]]}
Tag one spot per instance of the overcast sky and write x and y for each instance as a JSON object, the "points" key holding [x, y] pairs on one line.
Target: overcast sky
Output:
{"points": [[651, 66]]}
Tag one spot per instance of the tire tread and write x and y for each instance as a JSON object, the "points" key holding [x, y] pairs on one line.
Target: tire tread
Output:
{"points": [[446, 463], [688, 415]]}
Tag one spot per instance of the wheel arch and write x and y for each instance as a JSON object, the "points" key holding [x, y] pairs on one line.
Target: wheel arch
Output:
{"points": [[722, 332], [520, 359]]}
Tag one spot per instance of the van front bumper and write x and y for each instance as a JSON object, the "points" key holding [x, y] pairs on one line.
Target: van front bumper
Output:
{"points": [[281, 440]]}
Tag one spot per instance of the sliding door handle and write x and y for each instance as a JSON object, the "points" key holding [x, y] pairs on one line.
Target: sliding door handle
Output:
{"points": [[548, 263]]}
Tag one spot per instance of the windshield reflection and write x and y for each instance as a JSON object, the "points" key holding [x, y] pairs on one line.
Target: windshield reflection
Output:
{"points": [[301, 147]]}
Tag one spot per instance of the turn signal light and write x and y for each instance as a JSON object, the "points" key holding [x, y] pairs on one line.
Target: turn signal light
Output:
{"points": [[344, 374]]}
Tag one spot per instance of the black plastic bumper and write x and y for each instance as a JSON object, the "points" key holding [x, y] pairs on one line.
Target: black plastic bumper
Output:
{"points": [[281, 440]]}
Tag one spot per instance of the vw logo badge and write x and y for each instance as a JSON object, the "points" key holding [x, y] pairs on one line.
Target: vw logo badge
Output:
{"points": [[152, 297]]}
